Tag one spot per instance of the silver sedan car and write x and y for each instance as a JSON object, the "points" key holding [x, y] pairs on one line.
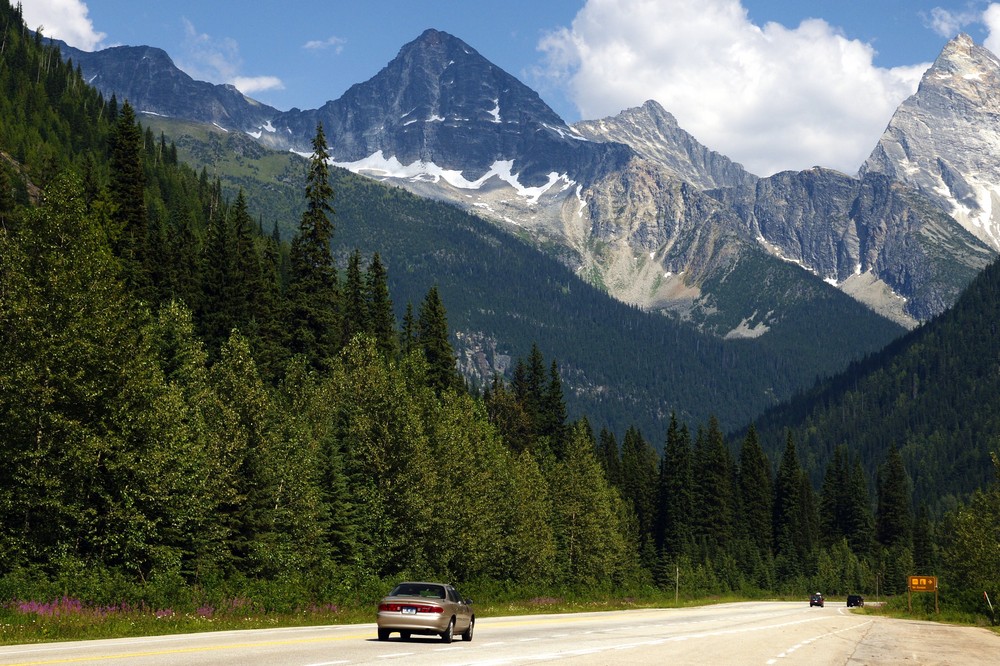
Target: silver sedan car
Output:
{"points": [[425, 608]]}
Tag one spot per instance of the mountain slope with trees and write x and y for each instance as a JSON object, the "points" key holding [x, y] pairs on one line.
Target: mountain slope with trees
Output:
{"points": [[622, 367], [932, 394], [193, 411]]}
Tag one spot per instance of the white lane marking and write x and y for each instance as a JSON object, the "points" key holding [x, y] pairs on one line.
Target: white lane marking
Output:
{"points": [[807, 641]]}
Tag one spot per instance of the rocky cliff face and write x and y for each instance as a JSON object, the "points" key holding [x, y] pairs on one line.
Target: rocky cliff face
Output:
{"points": [[655, 135], [149, 80], [944, 139], [439, 110], [874, 238], [634, 203]]}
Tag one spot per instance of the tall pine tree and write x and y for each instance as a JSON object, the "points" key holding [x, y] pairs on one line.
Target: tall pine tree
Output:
{"points": [[313, 289]]}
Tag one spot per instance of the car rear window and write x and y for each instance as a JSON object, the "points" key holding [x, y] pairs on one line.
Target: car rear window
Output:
{"points": [[413, 590]]}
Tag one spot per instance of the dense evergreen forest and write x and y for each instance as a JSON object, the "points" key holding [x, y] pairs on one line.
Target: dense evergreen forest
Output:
{"points": [[192, 407], [932, 393]]}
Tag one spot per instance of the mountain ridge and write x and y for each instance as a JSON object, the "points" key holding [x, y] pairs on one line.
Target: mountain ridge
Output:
{"points": [[445, 123]]}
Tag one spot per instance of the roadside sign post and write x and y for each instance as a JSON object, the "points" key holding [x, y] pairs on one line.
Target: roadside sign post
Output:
{"points": [[921, 584]]}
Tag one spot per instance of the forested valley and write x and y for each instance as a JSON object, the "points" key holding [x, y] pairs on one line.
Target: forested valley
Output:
{"points": [[194, 409]]}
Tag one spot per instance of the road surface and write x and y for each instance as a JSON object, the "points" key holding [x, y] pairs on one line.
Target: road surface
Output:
{"points": [[764, 633]]}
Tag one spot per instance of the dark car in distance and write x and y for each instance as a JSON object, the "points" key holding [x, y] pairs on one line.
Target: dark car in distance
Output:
{"points": [[816, 600], [855, 600]]}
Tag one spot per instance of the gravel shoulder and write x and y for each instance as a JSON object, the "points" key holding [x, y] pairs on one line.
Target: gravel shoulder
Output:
{"points": [[891, 641]]}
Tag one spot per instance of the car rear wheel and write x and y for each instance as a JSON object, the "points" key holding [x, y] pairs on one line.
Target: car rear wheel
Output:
{"points": [[448, 634], [467, 634], [383, 634]]}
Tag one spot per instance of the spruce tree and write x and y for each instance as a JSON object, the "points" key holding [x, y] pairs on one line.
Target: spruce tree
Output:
{"points": [[714, 509], [355, 311], [432, 324], [610, 457], [640, 471], [553, 415], [381, 320], [675, 497], [313, 289], [755, 493], [793, 509], [408, 331], [894, 519], [219, 303], [127, 185]]}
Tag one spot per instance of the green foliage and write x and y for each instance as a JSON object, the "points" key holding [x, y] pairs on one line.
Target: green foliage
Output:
{"points": [[932, 394], [313, 290], [192, 411]]}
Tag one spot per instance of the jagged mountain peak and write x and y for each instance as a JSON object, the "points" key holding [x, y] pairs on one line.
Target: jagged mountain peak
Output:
{"points": [[147, 77], [967, 70], [438, 110], [653, 132], [942, 140]]}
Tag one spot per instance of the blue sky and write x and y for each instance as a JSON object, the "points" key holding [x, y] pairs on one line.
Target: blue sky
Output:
{"points": [[773, 84]]}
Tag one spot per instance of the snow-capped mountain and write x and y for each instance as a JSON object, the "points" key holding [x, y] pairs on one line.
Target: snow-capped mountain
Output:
{"points": [[654, 134], [873, 238], [441, 111], [634, 203], [945, 139], [148, 78]]}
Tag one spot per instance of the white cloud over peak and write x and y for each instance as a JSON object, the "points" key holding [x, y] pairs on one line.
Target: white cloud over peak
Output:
{"points": [[63, 19], [209, 58], [948, 22], [335, 43], [991, 19], [249, 85], [770, 96]]}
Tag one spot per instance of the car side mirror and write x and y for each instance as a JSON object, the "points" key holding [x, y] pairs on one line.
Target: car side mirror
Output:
{"points": [[468, 601]]}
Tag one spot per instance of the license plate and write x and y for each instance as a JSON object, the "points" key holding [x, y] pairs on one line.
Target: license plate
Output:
{"points": [[409, 610]]}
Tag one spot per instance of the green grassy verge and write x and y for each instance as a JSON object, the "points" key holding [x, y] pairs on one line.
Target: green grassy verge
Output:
{"points": [[68, 620]]}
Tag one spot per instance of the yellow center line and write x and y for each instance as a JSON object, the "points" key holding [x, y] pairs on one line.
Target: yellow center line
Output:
{"points": [[190, 650]]}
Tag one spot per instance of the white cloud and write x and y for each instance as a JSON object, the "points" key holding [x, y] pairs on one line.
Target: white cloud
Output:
{"points": [[252, 84], [991, 18], [63, 19], [948, 23], [770, 97], [218, 60], [335, 43]]}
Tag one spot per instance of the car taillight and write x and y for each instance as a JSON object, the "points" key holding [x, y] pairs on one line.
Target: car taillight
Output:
{"points": [[429, 609], [397, 608]]}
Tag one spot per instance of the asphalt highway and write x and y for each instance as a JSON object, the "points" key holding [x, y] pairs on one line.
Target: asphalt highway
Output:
{"points": [[765, 633]]}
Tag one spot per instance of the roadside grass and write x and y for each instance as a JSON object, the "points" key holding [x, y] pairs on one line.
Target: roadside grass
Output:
{"points": [[921, 607], [68, 619]]}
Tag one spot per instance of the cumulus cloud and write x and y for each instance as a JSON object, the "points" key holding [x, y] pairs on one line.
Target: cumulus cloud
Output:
{"points": [[769, 96], [63, 19], [991, 19], [948, 23], [251, 84], [335, 43], [209, 58]]}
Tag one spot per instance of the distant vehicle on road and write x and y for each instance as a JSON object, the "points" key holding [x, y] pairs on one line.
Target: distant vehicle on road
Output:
{"points": [[425, 608], [855, 600], [816, 600]]}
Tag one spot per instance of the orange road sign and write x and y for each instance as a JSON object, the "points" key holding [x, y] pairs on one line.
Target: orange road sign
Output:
{"points": [[923, 584]]}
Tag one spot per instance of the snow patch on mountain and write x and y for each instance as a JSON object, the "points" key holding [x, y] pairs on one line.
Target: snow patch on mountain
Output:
{"points": [[379, 166]]}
